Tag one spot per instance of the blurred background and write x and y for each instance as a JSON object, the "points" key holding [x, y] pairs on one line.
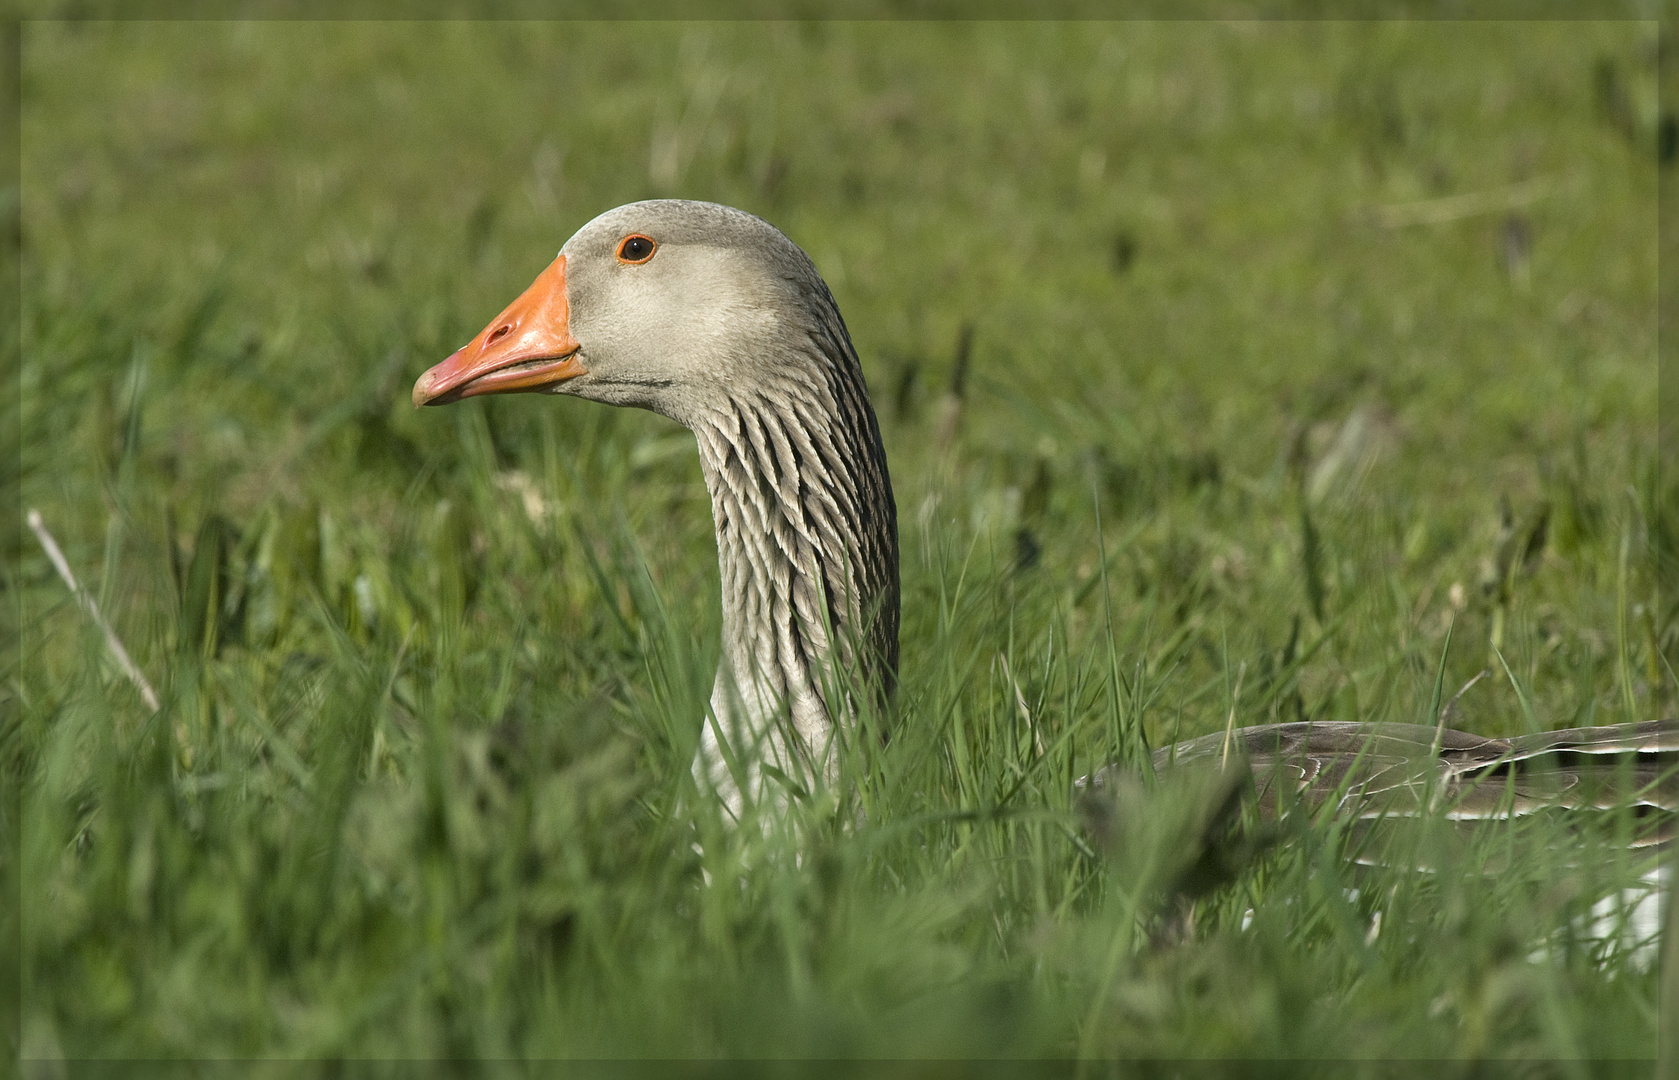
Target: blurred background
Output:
{"points": [[1280, 349]]}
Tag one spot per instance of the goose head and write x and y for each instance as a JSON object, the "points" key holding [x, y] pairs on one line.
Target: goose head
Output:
{"points": [[714, 318], [667, 305]]}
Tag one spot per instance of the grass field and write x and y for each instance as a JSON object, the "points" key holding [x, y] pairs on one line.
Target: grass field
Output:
{"points": [[1223, 370]]}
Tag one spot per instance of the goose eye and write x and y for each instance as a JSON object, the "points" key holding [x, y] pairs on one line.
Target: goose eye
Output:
{"points": [[636, 248]]}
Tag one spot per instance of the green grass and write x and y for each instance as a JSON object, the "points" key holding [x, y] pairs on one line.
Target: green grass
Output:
{"points": [[1232, 438]]}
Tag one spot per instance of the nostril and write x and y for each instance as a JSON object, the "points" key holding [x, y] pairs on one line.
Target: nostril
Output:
{"points": [[500, 332]]}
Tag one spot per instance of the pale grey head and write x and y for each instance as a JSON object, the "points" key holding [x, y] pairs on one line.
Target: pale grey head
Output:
{"points": [[725, 304]]}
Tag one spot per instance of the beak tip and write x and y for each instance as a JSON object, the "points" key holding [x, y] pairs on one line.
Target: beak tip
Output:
{"points": [[422, 390]]}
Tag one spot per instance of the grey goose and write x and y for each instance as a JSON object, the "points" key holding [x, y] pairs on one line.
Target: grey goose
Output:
{"points": [[712, 317]]}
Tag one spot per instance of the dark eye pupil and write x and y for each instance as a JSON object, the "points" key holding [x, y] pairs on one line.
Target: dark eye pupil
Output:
{"points": [[637, 248]]}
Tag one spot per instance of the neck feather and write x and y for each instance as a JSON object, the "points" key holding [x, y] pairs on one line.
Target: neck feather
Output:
{"points": [[807, 542]]}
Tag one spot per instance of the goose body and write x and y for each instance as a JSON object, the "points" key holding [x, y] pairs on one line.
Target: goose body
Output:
{"points": [[714, 318], [1376, 770]]}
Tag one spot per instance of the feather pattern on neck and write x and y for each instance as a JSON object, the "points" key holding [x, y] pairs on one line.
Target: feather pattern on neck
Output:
{"points": [[807, 550]]}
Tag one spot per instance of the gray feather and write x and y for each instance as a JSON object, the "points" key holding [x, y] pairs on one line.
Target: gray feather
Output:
{"points": [[1381, 769]]}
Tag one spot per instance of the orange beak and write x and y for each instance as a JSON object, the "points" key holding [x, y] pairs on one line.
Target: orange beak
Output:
{"points": [[528, 347]]}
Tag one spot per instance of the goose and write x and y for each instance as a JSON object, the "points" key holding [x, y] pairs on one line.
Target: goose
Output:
{"points": [[712, 317]]}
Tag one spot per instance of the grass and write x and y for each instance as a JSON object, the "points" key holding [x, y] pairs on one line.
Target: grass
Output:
{"points": [[1224, 370]]}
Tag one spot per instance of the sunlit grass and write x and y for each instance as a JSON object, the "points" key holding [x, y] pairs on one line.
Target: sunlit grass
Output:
{"points": [[1226, 444]]}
